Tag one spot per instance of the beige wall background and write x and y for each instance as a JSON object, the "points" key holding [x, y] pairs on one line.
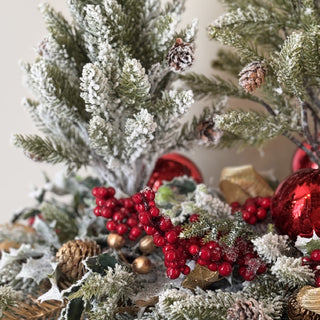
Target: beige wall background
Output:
{"points": [[21, 29]]}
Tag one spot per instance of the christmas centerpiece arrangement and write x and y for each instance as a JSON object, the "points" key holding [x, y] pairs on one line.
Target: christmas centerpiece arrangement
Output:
{"points": [[143, 237]]}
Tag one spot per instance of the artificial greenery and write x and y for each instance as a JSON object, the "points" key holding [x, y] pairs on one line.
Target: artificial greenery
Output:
{"points": [[282, 36]]}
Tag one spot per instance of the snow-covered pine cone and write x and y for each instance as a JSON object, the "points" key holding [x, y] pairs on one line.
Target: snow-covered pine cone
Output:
{"points": [[180, 57], [249, 309], [252, 76], [71, 255], [207, 132]]}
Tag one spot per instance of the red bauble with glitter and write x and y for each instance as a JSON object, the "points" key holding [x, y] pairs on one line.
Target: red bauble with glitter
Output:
{"points": [[173, 165], [301, 160], [296, 204]]}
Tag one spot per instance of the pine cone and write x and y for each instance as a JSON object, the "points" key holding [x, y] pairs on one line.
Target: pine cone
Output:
{"points": [[180, 56], [207, 132], [297, 312], [246, 310], [71, 255], [252, 76]]}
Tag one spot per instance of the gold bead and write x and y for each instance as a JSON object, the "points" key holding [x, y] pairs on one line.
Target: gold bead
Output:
{"points": [[146, 244], [116, 241], [141, 265]]}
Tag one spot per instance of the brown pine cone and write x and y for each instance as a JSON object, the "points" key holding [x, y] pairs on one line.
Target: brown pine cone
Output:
{"points": [[180, 56], [71, 255], [252, 76], [207, 133], [246, 310], [297, 312]]}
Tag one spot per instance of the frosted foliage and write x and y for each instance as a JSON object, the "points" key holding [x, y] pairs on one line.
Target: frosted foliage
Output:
{"points": [[211, 203], [95, 90], [139, 132], [7, 297], [271, 246], [290, 271], [182, 101]]}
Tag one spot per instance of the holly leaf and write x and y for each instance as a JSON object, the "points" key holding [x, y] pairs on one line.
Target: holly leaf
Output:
{"points": [[101, 263], [37, 269], [312, 245]]}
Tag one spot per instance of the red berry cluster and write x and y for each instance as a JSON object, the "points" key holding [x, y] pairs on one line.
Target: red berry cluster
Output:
{"points": [[314, 263], [177, 251], [121, 213], [254, 209]]}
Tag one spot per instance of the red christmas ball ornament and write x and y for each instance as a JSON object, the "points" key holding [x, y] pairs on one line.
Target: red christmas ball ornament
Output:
{"points": [[173, 165], [301, 160], [295, 205]]}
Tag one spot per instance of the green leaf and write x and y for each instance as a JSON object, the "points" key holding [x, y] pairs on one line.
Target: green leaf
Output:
{"points": [[76, 307], [312, 245], [101, 263]]}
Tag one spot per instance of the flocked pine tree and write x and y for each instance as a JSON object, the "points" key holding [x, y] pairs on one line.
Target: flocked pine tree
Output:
{"points": [[275, 45], [102, 89]]}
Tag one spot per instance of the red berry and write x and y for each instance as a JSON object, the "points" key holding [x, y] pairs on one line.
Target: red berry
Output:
{"points": [[111, 225], [140, 207], [216, 254], [137, 198], [159, 241], [150, 230], [145, 218], [95, 191], [111, 192], [235, 205], [213, 266], [154, 211], [315, 255], [202, 262], [248, 274], [122, 228], [251, 208], [249, 201], [151, 204], [213, 245], [262, 268], [128, 203], [230, 255], [135, 232], [185, 270], [111, 203], [225, 269], [265, 202], [246, 215], [205, 254], [305, 260], [171, 236], [167, 248], [106, 212], [132, 222], [194, 249], [149, 194], [100, 202], [97, 211], [165, 224], [170, 256], [117, 217], [317, 282], [261, 213], [102, 192], [194, 218], [252, 220], [173, 273]]}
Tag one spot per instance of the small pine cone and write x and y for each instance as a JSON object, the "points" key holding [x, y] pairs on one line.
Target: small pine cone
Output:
{"points": [[207, 132], [246, 310], [180, 56], [297, 312], [252, 76], [71, 255]]}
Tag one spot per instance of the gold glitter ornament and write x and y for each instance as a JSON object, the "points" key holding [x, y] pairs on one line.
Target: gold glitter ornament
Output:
{"points": [[146, 245], [116, 241], [141, 265]]}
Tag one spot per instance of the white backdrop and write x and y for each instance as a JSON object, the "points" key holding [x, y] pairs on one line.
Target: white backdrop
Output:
{"points": [[21, 29]]}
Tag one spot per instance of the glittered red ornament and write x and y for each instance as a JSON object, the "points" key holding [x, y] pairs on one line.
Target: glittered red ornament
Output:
{"points": [[301, 160], [173, 165], [296, 204]]}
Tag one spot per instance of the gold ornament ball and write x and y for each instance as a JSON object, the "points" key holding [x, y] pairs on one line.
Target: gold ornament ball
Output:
{"points": [[141, 265], [115, 241], [146, 244]]}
